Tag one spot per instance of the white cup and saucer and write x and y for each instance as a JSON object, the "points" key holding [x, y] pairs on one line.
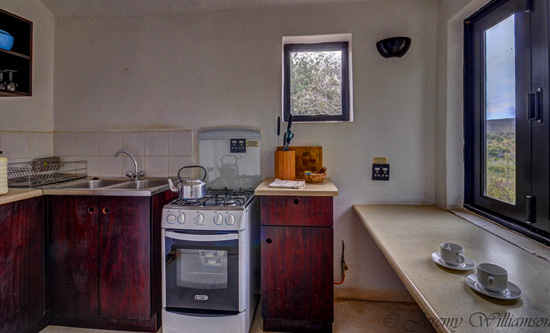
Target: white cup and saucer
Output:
{"points": [[451, 256], [492, 280]]}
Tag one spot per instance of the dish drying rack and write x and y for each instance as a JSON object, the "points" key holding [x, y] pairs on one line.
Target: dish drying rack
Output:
{"points": [[45, 171]]}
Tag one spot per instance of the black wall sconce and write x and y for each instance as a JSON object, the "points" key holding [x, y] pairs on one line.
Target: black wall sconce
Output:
{"points": [[393, 47]]}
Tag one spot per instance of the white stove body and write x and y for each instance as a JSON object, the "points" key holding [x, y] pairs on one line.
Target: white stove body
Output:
{"points": [[210, 254]]}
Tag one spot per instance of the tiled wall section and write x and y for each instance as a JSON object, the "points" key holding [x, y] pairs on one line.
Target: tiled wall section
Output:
{"points": [[24, 146], [158, 153]]}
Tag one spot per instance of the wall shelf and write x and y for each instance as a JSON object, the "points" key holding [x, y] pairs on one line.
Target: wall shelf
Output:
{"points": [[19, 58]]}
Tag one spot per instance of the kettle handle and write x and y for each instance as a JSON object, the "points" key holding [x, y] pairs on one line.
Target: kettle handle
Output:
{"points": [[235, 157], [192, 166]]}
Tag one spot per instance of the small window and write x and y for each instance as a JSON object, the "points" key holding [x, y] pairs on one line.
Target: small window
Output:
{"points": [[316, 83]]}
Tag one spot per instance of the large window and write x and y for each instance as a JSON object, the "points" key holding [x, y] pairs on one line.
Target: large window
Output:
{"points": [[506, 116], [316, 81]]}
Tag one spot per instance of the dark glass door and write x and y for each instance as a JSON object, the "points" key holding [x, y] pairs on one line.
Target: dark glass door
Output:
{"points": [[202, 272], [506, 119]]}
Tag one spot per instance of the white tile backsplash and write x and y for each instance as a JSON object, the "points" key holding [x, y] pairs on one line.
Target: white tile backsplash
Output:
{"points": [[156, 144], [87, 143], [15, 144], [40, 144], [134, 142], [109, 166], [158, 153], [156, 166], [109, 143], [64, 143], [180, 143], [175, 163]]}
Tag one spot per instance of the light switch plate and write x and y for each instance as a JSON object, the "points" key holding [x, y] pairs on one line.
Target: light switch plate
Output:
{"points": [[381, 172]]}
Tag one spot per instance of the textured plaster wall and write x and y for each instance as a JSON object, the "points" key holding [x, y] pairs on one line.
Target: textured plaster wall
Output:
{"points": [[223, 68]]}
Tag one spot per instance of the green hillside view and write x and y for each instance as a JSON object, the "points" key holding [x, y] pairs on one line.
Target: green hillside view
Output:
{"points": [[501, 159]]}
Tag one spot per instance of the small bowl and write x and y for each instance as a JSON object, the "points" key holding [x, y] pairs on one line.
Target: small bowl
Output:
{"points": [[6, 40], [317, 176]]}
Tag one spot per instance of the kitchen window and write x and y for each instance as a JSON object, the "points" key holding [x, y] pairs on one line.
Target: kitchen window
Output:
{"points": [[316, 79], [507, 132]]}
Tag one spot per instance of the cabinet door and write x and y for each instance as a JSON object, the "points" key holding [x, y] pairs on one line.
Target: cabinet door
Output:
{"points": [[125, 257], [158, 202], [22, 300], [297, 272], [296, 211], [73, 255]]}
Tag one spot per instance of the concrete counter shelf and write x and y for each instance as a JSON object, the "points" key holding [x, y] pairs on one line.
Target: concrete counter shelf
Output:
{"points": [[408, 235]]}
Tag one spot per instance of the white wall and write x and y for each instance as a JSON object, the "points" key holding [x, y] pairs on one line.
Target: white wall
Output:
{"points": [[32, 113], [223, 68], [450, 100]]}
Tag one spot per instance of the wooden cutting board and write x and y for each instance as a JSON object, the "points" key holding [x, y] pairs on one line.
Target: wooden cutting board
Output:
{"points": [[308, 158]]}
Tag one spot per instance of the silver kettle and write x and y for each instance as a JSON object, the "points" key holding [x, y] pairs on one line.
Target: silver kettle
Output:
{"points": [[190, 189]]}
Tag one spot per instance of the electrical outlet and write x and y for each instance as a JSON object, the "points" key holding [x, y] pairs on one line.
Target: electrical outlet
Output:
{"points": [[380, 172]]}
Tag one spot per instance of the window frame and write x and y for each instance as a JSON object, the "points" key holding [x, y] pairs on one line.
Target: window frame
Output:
{"points": [[342, 46], [510, 216]]}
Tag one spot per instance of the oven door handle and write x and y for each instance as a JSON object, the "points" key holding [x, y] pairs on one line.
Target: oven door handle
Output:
{"points": [[202, 237]]}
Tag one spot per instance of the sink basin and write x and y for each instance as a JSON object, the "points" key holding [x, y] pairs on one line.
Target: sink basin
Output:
{"points": [[96, 183], [141, 184]]}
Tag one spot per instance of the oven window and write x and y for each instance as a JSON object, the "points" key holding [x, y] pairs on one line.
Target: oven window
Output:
{"points": [[201, 269], [201, 275]]}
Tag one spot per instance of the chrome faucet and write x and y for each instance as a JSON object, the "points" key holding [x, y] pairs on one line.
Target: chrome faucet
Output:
{"points": [[132, 175]]}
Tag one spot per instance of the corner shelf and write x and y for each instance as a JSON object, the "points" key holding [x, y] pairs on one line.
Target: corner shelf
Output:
{"points": [[19, 58]]}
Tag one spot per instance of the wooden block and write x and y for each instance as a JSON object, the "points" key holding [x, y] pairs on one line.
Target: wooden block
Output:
{"points": [[284, 164], [307, 158]]}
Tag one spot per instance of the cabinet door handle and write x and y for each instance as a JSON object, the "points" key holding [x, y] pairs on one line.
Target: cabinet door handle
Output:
{"points": [[91, 210], [105, 210], [268, 241], [296, 201]]}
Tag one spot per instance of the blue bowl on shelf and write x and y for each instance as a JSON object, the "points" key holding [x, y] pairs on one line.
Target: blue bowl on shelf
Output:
{"points": [[6, 40]]}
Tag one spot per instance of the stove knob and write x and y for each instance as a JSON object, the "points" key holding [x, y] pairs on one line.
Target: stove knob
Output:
{"points": [[181, 218], [218, 219], [170, 218], [199, 219], [230, 219]]}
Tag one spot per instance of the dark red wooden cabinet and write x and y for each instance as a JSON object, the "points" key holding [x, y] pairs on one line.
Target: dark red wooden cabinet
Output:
{"points": [[73, 261], [297, 263], [22, 292], [103, 266]]}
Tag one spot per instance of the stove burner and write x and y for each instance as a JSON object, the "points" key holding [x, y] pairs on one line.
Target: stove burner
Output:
{"points": [[223, 197], [191, 201]]}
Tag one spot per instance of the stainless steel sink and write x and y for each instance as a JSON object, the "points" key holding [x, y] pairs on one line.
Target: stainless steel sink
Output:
{"points": [[95, 183], [140, 184]]}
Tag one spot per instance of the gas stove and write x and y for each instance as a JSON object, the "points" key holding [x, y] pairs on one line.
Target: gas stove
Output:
{"points": [[237, 199], [210, 246]]}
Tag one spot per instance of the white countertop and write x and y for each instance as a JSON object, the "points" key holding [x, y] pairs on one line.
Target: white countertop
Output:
{"points": [[408, 235], [324, 189], [16, 194]]}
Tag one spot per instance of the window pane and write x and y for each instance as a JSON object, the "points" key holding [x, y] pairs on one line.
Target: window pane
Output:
{"points": [[500, 112], [316, 83]]}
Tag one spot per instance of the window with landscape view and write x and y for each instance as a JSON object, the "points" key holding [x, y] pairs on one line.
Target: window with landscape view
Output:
{"points": [[507, 151], [316, 82]]}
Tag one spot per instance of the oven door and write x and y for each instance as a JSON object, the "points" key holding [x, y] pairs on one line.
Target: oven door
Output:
{"points": [[201, 272]]}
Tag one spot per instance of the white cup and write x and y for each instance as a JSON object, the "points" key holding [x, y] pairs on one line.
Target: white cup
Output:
{"points": [[492, 277], [451, 253]]}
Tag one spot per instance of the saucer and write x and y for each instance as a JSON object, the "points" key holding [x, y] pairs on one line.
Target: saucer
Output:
{"points": [[465, 266], [510, 293]]}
